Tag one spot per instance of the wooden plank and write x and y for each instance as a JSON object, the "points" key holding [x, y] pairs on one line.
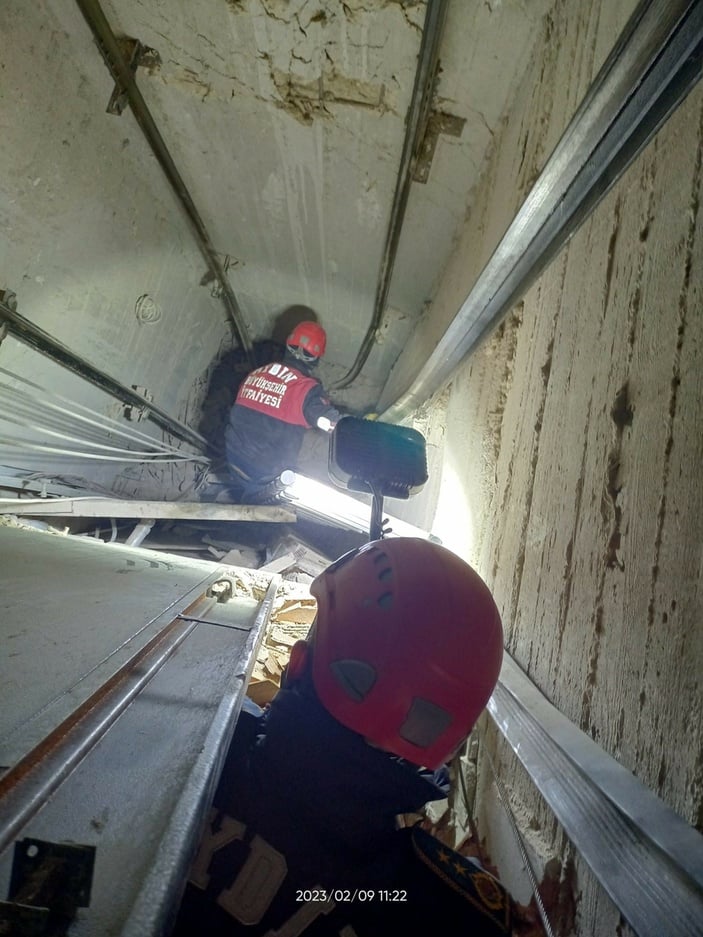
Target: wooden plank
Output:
{"points": [[155, 510]]}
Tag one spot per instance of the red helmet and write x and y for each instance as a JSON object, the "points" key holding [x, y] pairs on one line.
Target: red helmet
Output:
{"points": [[407, 646], [309, 338]]}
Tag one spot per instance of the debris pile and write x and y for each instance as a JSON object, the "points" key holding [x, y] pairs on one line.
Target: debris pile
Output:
{"points": [[292, 616]]}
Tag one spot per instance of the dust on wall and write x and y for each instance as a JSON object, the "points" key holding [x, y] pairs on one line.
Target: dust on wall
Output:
{"points": [[579, 426]]}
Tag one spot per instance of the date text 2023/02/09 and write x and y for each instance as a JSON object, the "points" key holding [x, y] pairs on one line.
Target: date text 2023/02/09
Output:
{"points": [[341, 895]]}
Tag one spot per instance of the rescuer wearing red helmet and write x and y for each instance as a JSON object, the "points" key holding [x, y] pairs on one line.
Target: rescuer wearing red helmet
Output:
{"points": [[377, 611], [303, 835], [275, 405]]}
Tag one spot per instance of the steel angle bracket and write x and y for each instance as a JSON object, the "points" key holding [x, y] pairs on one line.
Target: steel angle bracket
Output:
{"points": [[131, 50], [647, 858], [134, 53], [48, 883]]}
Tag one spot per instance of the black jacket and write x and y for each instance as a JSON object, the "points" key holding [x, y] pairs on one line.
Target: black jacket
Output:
{"points": [[261, 446], [303, 824]]}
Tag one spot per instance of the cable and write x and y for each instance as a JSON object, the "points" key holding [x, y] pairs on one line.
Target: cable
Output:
{"points": [[100, 421], [78, 439], [503, 797], [43, 412], [77, 454]]}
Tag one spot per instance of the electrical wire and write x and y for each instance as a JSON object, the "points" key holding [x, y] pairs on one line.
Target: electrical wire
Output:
{"points": [[77, 439], [503, 797], [80, 454], [74, 411], [44, 413]]}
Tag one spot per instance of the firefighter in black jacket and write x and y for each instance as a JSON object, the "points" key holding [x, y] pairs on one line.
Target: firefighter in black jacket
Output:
{"points": [[302, 837], [274, 407]]}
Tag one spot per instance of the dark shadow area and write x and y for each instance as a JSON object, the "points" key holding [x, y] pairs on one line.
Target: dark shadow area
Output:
{"points": [[254, 542], [226, 374], [229, 370], [332, 542], [287, 320]]}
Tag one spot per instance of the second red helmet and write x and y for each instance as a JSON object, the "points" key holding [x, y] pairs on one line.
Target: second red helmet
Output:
{"points": [[308, 337], [407, 646]]}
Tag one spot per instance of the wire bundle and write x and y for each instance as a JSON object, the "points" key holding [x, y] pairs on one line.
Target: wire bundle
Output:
{"points": [[36, 420]]}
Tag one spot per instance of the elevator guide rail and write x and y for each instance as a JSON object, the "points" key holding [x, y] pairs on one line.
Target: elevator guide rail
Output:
{"points": [[118, 706]]}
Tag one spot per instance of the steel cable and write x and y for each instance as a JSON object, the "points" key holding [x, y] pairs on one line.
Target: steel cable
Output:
{"points": [[43, 413]]}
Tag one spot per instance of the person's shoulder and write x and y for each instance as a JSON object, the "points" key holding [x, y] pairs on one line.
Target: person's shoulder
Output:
{"points": [[457, 884]]}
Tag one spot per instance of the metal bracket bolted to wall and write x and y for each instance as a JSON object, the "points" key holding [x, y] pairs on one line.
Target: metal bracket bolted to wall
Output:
{"points": [[135, 54], [221, 590], [137, 414], [49, 882], [10, 300]]}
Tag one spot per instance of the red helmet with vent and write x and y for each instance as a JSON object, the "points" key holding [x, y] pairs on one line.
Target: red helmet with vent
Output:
{"points": [[308, 339], [407, 646]]}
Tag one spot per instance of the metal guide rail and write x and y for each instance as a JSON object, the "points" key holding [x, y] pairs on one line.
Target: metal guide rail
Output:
{"points": [[646, 857], [109, 759]]}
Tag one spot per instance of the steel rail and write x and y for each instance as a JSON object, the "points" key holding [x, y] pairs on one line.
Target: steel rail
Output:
{"points": [[416, 125], [654, 64], [25, 788], [73, 412], [28, 784], [122, 73], [645, 856], [155, 906], [35, 337]]}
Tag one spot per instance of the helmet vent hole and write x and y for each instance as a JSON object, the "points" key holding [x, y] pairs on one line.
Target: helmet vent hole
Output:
{"points": [[385, 574], [425, 723], [380, 558], [385, 600], [355, 677]]}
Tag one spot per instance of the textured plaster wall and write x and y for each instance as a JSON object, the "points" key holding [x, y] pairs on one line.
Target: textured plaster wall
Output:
{"points": [[287, 120], [577, 431], [90, 225], [574, 41]]}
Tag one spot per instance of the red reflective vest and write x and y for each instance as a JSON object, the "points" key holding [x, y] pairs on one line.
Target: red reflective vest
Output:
{"points": [[277, 390]]}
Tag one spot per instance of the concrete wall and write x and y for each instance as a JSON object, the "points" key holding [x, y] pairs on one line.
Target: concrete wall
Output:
{"points": [[574, 438], [90, 225]]}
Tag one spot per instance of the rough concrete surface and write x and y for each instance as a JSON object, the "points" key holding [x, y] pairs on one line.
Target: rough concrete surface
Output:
{"points": [[565, 454], [577, 432]]}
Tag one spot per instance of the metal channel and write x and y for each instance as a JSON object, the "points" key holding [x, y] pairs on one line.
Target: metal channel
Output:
{"points": [[128, 767], [655, 63], [30, 334], [158, 899], [120, 70], [25, 788], [416, 126], [646, 857], [152, 510]]}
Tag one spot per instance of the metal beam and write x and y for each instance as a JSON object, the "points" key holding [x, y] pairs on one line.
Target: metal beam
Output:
{"points": [[415, 126], [646, 857], [655, 63], [163, 885], [26, 786], [141, 732], [151, 510], [120, 70], [30, 334]]}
